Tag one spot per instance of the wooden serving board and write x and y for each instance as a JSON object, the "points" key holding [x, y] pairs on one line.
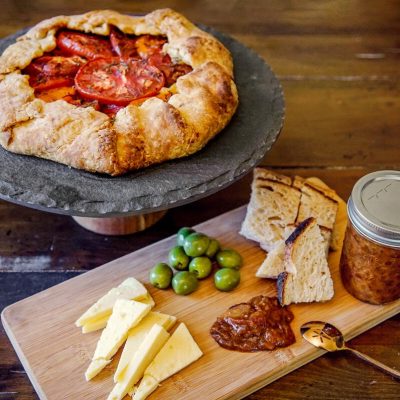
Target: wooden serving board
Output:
{"points": [[56, 354]]}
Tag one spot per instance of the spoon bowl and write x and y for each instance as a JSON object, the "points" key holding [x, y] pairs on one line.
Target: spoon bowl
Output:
{"points": [[328, 337], [323, 335]]}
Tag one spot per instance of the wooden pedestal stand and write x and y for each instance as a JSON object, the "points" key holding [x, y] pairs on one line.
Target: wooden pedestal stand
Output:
{"points": [[117, 226]]}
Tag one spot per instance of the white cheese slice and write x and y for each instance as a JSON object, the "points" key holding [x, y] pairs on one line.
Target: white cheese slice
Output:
{"points": [[137, 335], [126, 314], [130, 289], [150, 346], [100, 323], [95, 367], [147, 300], [95, 325], [147, 386], [179, 351]]}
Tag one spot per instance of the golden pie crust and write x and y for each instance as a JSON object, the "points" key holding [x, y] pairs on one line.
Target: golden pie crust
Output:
{"points": [[202, 103]]}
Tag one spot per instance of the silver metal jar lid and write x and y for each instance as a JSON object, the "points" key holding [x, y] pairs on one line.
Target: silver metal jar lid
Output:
{"points": [[374, 207]]}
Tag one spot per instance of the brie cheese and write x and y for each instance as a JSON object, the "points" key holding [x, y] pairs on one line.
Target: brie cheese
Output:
{"points": [[178, 352], [150, 346], [126, 314], [129, 289]]}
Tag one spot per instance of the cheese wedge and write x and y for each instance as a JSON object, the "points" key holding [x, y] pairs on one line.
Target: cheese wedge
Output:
{"points": [[137, 335], [129, 289], [149, 347], [147, 300], [95, 367], [126, 314], [179, 351], [97, 324]]}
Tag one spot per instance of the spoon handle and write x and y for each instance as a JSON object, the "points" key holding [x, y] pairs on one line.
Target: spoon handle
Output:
{"points": [[370, 360]]}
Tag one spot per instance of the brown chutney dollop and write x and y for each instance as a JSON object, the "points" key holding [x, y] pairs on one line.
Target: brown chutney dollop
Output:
{"points": [[261, 324]]}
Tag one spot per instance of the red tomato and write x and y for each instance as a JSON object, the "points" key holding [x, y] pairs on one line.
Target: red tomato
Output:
{"points": [[178, 71], [55, 65], [171, 71], [123, 45], [85, 45], [44, 82], [147, 45], [162, 62], [117, 81]]}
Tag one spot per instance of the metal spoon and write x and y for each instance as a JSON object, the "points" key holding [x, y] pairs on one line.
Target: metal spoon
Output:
{"points": [[326, 336]]}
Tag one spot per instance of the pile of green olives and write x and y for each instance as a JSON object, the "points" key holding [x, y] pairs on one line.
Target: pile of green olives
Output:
{"points": [[194, 257]]}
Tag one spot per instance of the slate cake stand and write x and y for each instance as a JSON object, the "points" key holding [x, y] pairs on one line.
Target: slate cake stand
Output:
{"points": [[132, 202]]}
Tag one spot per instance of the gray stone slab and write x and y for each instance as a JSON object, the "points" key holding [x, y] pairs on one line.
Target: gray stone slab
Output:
{"points": [[54, 187]]}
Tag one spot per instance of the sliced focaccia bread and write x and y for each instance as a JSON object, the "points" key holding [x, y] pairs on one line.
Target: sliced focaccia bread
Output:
{"points": [[273, 205], [319, 203], [306, 277], [326, 234], [272, 266]]}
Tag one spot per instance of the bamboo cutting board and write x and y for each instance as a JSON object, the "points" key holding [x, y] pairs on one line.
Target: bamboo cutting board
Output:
{"points": [[56, 354]]}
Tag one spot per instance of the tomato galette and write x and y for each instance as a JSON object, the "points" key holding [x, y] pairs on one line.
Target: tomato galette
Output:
{"points": [[110, 93]]}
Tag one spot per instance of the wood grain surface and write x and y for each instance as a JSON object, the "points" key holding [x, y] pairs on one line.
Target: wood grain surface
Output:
{"points": [[56, 354], [338, 62]]}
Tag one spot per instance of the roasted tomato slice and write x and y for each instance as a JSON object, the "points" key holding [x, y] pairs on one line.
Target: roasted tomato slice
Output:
{"points": [[117, 81], [84, 45], [45, 82], [123, 45], [178, 71], [171, 71], [56, 65], [147, 45]]}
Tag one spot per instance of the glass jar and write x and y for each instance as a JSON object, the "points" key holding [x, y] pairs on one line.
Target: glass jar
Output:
{"points": [[370, 261]]}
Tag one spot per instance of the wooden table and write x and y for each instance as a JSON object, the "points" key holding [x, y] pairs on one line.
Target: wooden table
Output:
{"points": [[339, 65]]}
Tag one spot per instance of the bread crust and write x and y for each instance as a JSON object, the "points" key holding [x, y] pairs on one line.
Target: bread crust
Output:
{"points": [[280, 285], [290, 243], [201, 105]]}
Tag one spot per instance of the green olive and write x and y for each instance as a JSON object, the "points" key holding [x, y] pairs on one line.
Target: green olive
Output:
{"points": [[201, 267], [226, 279], [229, 259], [213, 248], [177, 258], [181, 235], [196, 244], [161, 275], [184, 283]]}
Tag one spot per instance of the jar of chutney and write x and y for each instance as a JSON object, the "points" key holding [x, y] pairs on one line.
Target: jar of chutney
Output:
{"points": [[370, 261]]}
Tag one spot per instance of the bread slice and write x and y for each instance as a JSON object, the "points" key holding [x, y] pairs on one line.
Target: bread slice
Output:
{"points": [[319, 203], [306, 277], [274, 204], [272, 266], [298, 182], [327, 236]]}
